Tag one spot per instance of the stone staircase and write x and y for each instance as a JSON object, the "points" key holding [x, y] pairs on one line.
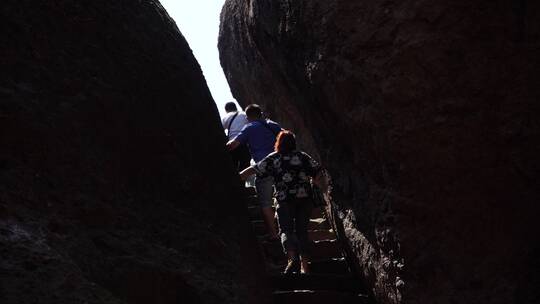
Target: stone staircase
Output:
{"points": [[330, 280]]}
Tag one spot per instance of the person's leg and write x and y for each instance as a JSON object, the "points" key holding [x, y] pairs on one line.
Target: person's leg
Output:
{"points": [[265, 192], [289, 240], [303, 208], [250, 182]]}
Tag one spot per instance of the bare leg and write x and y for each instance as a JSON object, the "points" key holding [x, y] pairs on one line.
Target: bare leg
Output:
{"points": [[293, 265], [304, 262]]}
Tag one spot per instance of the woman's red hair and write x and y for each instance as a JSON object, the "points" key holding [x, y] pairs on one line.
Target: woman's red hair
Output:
{"points": [[285, 142]]}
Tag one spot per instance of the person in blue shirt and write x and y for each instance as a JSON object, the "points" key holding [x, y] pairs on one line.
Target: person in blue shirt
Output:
{"points": [[260, 137]]}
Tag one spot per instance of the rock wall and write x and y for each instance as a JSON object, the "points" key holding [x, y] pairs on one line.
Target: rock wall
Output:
{"points": [[425, 113], [115, 186]]}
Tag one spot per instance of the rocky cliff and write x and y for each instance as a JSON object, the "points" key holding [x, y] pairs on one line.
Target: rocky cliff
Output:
{"points": [[425, 114], [114, 183]]}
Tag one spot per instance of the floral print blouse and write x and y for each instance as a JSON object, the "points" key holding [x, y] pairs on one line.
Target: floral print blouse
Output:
{"points": [[291, 173]]}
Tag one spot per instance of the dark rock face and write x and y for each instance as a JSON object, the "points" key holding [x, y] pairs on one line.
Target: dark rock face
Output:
{"points": [[426, 115], [114, 183]]}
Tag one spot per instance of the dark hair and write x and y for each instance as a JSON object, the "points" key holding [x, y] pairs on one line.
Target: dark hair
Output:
{"points": [[230, 106], [253, 111], [285, 142]]}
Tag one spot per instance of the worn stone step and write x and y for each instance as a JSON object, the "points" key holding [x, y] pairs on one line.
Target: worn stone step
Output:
{"points": [[314, 225], [259, 228], [317, 213], [344, 283], [326, 249], [249, 191], [322, 234], [333, 266], [315, 221], [254, 212], [252, 201], [274, 252], [329, 266], [318, 224], [320, 250], [318, 297]]}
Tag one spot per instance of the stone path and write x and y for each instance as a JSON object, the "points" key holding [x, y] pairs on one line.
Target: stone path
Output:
{"points": [[330, 281]]}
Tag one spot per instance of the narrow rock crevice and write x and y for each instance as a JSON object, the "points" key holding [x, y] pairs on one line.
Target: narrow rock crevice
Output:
{"points": [[424, 115]]}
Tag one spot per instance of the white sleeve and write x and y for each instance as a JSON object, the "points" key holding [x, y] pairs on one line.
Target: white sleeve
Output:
{"points": [[224, 122]]}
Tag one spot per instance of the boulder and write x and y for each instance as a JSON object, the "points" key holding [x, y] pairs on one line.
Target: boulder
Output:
{"points": [[425, 114], [115, 186]]}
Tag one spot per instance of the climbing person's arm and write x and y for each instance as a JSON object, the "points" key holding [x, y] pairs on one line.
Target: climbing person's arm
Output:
{"points": [[262, 169], [238, 140], [277, 127], [224, 123], [247, 172], [232, 144]]}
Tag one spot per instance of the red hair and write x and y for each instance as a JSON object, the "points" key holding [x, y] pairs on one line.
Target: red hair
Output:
{"points": [[285, 142]]}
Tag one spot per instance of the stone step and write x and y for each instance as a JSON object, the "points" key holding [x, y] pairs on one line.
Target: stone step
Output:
{"points": [[274, 252], [254, 212], [259, 228], [317, 213], [329, 266], [343, 283], [333, 266], [318, 229], [318, 224], [321, 250], [318, 297], [249, 191], [315, 228], [323, 234], [326, 249], [252, 201]]}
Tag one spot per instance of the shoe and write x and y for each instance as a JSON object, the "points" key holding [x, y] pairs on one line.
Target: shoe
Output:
{"points": [[293, 266]]}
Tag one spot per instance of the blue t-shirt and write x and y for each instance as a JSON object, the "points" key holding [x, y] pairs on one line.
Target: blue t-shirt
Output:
{"points": [[260, 137]]}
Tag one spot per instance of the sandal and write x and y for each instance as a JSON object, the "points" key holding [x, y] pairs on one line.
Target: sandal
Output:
{"points": [[293, 266]]}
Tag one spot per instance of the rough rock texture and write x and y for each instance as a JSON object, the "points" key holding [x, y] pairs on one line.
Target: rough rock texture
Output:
{"points": [[114, 183], [426, 115]]}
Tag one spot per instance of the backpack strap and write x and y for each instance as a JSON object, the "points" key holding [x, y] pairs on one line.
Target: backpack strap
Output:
{"points": [[230, 124]]}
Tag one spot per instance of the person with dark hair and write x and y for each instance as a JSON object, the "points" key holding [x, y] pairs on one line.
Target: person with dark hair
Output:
{"points": [[233, 122], [260, 136], [230, 107], [293, 171]]}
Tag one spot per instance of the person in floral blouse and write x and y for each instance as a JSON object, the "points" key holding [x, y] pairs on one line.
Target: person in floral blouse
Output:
{"points": [[293, 172]]}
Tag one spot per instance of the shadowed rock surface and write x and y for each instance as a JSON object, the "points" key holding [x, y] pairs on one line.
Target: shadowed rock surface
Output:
{"points": [[426, 115], [114, 183]]}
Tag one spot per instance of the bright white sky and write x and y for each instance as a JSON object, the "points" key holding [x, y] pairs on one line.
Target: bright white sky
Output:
{"points": [[198, 20]]}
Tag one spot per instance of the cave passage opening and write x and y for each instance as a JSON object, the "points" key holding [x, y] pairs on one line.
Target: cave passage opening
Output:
{"points": [[199, 21]]}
